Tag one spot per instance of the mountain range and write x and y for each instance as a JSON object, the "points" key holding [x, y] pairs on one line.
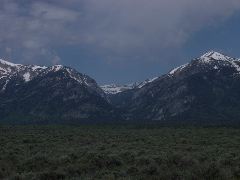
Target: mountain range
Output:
{"points": [[33, 93], [205, 90]]}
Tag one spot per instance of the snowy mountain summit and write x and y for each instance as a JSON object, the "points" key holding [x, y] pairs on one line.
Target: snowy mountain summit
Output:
{"points": [[17, 74], [56, 93], [213, 55], [205, 90], [211, 60]]}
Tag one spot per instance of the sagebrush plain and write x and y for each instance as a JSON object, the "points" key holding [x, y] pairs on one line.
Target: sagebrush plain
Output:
{"points": [[119, 152]]}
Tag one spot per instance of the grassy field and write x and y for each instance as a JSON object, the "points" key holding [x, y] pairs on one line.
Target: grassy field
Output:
{"points": [[118, 152]]}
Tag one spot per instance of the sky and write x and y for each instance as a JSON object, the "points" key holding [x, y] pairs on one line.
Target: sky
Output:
{"points": [[117, 41]]}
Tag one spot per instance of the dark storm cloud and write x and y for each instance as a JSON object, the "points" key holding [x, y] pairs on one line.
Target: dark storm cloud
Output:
{"points": [[113, 30]]}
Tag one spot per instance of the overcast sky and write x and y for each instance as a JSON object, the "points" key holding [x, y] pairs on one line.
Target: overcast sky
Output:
{"points": [[117, 41]]}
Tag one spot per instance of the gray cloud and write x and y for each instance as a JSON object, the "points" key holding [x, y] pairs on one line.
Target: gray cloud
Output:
{"points": [[151, 26], [50, 12], [113, 30], [33, 30]]}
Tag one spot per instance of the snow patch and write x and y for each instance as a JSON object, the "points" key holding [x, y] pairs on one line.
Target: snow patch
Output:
{"points": [[85, 81], [34, 68], [4, 70], [26, 77], [76, 79], [115, 89], [180, 68], [3, 77], [57, 68], [236, 66], [5, 85], [146, 82]]}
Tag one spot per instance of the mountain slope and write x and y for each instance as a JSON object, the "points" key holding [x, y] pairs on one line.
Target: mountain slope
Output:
{"points": [[54, 93], [206, 90]]}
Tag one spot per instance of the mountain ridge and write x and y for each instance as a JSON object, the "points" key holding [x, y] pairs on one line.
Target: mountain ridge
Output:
{"points": [[112, 89], [205, 90], [197, 91], [49, 93]]}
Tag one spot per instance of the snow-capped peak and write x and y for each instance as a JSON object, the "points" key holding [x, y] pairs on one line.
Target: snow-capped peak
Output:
{"points": [[29, 72], [212, 59], [212, 55]]}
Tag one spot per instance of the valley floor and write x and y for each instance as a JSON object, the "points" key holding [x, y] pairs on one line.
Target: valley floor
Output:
{"points": [[118, 152]]}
